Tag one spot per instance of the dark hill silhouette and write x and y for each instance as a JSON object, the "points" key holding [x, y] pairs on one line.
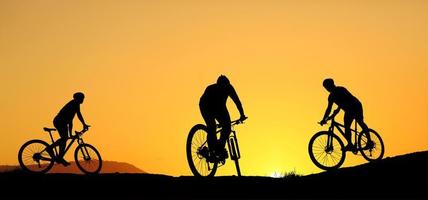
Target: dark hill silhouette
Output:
{"points": [[404, 176], [400, 177], [108, 167]]}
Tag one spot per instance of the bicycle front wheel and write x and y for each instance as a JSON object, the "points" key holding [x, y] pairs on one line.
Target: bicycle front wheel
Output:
{"points": [[34, 157], [87, 158], [197, 150], [374, 150], [326, 154]]}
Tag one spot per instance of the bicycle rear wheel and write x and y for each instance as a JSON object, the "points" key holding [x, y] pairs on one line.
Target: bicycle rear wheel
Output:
{"points": [[324, 156], [87, 158], [196, 149], [374, 151], [34, 157]]}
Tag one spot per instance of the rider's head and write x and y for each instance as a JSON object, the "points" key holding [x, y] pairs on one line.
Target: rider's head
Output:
{"points": [[78, 96], [223, 80], [328, 84]]}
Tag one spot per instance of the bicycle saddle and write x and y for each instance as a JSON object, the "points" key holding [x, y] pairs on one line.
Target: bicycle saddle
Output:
{"points": [[48, 129]]}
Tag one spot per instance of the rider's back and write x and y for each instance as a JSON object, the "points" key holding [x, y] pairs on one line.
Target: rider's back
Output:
{"points": [[344, 99], [216, 95], [68, 112]]}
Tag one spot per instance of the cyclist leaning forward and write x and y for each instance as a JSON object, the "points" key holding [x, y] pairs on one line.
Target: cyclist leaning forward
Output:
{"points": [[352, 107], [212, 105]]}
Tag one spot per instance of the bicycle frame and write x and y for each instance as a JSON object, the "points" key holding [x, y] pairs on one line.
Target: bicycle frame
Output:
{"points": [[73, 138], [328, 151], [341, 128]]}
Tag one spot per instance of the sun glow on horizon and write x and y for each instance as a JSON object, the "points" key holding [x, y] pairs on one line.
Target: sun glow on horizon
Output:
{"points": [[276, 175]]}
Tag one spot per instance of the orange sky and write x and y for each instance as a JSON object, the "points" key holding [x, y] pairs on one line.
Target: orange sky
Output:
{"points": [[144, 64]]}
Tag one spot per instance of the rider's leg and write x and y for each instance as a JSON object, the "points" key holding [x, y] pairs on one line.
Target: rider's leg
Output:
{"points": [[348, 118], [364, 126], [62, 144], [224, 120], [209, 119], [360, 120], [62, 129]]}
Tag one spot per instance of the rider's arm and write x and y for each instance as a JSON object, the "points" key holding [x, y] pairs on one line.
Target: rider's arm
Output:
{"points": [[335, 112], [327, 111], [79, 115], [235, 99]]}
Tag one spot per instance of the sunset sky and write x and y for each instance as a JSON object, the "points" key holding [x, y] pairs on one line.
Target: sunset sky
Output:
{"points": [[144, 64]]}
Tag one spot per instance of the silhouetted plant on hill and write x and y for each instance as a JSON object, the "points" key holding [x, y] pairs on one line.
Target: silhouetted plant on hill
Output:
{"points": [[291, 175]]}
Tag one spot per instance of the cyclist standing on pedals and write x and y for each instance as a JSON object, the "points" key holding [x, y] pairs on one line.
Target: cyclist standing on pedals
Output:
{"points": [[212, 105], [352, 107], [63, 122]]}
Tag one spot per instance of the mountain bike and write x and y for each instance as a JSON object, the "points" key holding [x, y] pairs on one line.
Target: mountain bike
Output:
{"points": [[197, 150], [327, 152], [38, 156]]}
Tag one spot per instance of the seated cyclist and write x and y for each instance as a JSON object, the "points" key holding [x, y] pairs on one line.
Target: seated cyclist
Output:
{"points": [[350, 104], [63, 122], [212, 105]]}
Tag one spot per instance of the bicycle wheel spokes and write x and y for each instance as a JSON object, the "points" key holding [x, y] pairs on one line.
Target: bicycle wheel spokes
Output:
{"points": [[88, 159], [328, 155], [197, 151], [325, 155], [203, 166], [34, 157], [372, 149], [199, 145]]}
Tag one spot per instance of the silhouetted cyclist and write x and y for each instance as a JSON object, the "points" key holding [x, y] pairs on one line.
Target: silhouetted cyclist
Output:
{"points": [[350, 104], [63, 122], [213, 107]]}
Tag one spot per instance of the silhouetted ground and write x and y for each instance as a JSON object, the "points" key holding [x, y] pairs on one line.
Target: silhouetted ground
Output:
{"points": [[107, 167], [401, 177]]}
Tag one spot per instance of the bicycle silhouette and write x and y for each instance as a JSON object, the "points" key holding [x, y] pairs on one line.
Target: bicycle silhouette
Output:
{"points": [[197, 150], [326, 149], [38, 156]]}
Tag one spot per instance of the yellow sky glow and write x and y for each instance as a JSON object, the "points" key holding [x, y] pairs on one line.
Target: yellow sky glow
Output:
{"points": [[144, 64]]}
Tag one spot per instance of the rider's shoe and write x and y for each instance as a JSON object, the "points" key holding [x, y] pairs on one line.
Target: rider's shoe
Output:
{"points": [[207, 154], [212, 158], [63, 162], [204, 152], [369, 145], [222, 155], [349, 147], [355, 150]]}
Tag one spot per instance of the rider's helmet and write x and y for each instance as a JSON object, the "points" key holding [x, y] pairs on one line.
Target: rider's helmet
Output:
{"points": [[79, 96], [328, 84], [223, 80]]}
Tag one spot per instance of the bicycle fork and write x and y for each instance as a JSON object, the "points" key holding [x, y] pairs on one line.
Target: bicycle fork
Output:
{"points": [[84, 150], [232, 143], [235, 155]]}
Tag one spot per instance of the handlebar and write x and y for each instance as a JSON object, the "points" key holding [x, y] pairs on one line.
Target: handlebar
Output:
{"points": [[82, 131], [330, 118], [235, 122]]}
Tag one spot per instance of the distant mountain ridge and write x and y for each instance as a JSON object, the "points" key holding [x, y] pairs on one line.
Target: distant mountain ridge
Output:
{"points": [[108, 167]]}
